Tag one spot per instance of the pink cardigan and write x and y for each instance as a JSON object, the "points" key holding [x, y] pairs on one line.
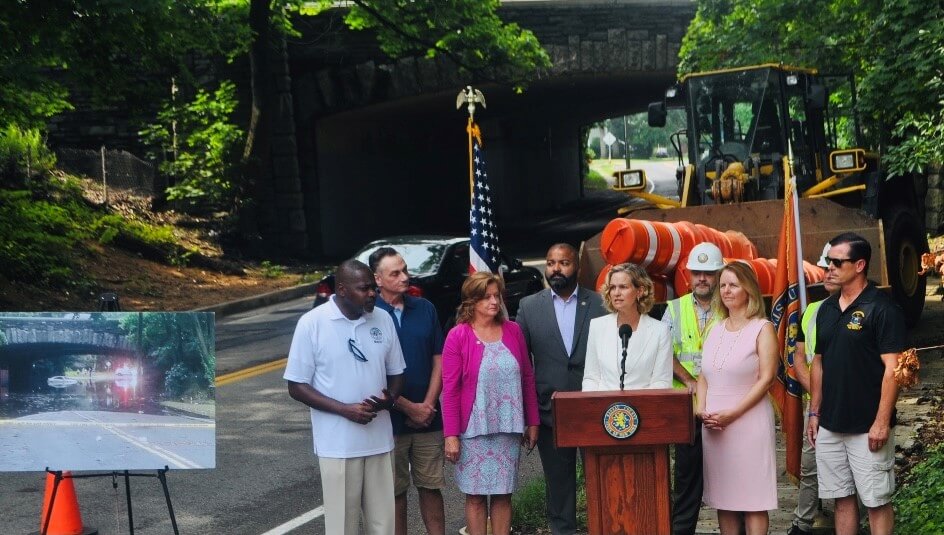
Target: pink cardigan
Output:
{"points": [[462, 357]]}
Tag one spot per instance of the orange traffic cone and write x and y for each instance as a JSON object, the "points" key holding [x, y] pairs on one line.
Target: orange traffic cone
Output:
{"points": [[64, 518]]}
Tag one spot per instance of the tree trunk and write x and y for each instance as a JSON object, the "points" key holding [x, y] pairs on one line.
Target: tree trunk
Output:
{"points": [[256, 183]]}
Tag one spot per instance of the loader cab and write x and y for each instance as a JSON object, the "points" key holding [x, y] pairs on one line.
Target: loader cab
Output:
{"points": [[753, 118]]}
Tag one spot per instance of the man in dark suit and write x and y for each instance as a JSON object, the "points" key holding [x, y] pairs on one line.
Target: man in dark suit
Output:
{"points": [[555, 323]]}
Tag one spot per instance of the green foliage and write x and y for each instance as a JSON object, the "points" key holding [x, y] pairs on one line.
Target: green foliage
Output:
{"points": [[270, 270], [42, 231], [895, 49], [180, 345], [918, 500], [469, 32], [110, 48], [528, 514], [38, 238], [20, 147], [108, 227], [207, 145]]}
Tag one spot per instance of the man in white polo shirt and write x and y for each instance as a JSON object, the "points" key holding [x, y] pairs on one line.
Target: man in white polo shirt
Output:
{"points": [[346, 364]]}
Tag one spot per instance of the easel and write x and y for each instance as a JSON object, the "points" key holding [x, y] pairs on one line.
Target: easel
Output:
{"points": [[161, 475], [108, 302]]}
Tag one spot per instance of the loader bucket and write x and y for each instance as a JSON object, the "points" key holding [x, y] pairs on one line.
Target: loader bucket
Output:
{"points": [[820, 221]]}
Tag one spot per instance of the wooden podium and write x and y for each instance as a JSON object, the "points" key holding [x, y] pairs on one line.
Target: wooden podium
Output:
{"points": [[628, 490]]}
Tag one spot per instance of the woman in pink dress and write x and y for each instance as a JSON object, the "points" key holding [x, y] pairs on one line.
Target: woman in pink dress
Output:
{"points": [[739, 363]]}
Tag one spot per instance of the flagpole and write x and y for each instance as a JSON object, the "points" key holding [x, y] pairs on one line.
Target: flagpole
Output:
{"points": [[469, 127], [469, 97], [795, 201]]}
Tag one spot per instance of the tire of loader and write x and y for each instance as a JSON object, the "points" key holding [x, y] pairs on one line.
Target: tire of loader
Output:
{"points": [[904, 245]]}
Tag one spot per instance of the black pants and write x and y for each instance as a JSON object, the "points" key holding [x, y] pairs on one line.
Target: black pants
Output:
{"points": [[560, 477], [689, 485]]}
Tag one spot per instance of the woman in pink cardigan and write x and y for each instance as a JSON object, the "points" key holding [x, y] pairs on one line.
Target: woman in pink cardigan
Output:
{"points": [[489, 403]]}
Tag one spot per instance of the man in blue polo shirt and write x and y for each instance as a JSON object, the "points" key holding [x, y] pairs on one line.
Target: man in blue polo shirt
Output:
{"points": [[417, 425]]}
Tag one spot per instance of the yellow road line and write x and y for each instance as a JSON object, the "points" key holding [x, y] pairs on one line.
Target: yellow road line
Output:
{"points": [[253, 371]]}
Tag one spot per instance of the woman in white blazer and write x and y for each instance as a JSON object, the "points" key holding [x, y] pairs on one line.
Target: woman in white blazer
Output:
{"points": [[627, 294]]}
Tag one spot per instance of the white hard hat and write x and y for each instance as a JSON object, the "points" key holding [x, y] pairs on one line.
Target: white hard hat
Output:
{"points": [[822, 259], [705, 257]]}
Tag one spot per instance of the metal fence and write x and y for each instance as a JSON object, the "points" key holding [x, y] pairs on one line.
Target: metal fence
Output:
{"points": [[117, 169]]}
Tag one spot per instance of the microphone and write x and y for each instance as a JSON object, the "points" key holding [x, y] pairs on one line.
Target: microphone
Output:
{"points": [[625, 332]]}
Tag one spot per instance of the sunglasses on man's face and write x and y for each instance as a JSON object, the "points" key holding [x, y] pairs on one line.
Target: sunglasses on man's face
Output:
{"points": [[356, 351], [837, 262]]}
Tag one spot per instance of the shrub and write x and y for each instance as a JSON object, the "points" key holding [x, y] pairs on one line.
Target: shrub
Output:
{"points": [[918, 501], [270, 270], [41, 234], [206, 150], [22, 148], [38, 238]]}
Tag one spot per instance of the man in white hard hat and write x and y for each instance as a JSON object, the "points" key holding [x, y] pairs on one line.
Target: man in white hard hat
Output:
{"points": [[689, 317]]}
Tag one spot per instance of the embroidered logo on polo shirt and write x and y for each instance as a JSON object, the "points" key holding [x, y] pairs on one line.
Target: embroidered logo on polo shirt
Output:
{"points": [[377, 335], [855, 324]]}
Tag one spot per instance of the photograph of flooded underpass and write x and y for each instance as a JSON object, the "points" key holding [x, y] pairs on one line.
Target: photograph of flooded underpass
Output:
{"points": [[107, 391]]}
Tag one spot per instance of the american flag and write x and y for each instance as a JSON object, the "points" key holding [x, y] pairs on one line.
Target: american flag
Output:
{"points": [[484, 254]]}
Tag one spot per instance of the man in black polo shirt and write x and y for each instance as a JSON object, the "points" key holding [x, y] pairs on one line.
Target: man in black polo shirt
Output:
{"points": [[860, 332]]}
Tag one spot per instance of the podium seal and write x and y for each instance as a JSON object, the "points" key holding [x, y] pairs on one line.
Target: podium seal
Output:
{"points": [[620, 421]]}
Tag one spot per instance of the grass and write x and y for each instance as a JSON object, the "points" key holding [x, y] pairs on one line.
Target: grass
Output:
{"points": [[528, 505]]}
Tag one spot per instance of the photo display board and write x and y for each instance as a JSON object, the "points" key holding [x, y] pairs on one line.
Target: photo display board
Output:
{"points": [[107, 391]]}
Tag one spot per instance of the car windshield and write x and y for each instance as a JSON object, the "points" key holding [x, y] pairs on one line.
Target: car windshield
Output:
{"points": [[422, 258]]}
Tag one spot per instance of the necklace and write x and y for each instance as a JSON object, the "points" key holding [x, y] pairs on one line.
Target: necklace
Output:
{"points": [[724, 330]]}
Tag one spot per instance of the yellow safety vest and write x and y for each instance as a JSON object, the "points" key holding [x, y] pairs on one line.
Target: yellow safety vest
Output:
{"points": [[687, 338], [808, 324]]}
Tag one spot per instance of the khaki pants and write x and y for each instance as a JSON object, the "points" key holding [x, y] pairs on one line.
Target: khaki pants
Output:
{"points": [[353, 486]]}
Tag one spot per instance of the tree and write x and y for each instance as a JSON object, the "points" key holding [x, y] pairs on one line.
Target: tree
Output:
{"points": [[180, 344], [894, 48], [111, 49]]}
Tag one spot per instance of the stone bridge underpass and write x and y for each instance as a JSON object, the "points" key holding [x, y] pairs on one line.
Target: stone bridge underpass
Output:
{"points": [[365, 147], [28, 340]]}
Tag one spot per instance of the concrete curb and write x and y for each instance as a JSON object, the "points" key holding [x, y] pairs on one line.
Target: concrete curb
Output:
{"points": [[258, 301]]}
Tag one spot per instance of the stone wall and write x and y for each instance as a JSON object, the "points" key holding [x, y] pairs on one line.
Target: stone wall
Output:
{"points": [[934, 201]]}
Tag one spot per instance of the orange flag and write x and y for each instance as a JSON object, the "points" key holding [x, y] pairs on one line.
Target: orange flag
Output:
{"points": [[785, 315]]}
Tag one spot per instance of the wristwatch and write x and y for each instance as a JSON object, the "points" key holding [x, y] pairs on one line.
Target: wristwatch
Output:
{"points": [[811, 413]]}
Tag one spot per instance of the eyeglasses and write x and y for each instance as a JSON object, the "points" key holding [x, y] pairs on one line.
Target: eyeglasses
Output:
{"points": [[356, 351], [837, 262]]}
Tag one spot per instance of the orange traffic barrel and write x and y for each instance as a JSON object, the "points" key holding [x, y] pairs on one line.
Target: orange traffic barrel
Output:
{"points": [[741, 245], [766, 272], [601, 278], [662, 289], [689, 236], [652, 245], [682, 279], [704, 234], [613, 247]]}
